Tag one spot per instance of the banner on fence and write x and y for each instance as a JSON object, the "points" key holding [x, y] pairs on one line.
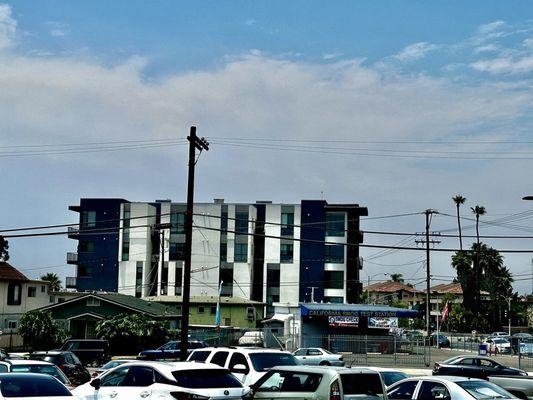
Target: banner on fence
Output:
{"points": [[337, 322], [385, 323]]}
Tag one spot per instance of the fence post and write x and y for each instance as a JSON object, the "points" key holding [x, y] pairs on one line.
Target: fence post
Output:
{"points": [[395, 361], [11, 340]]}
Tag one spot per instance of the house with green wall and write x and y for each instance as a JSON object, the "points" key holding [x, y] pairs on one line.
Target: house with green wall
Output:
{"points": [[79, 313], [235, 312]]}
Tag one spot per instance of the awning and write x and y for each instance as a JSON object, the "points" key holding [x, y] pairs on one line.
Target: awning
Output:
{"points": [[355, 310], [278, 318]]}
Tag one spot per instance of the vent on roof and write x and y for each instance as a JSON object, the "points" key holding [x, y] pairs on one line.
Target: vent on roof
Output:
{"points": [[218, 201]]}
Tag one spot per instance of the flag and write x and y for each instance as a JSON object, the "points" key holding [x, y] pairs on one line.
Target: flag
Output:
{"points": [[217, 315], [445, 312]]}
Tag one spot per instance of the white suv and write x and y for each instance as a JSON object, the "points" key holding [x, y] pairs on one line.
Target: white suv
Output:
{"points": [[248, 364]]}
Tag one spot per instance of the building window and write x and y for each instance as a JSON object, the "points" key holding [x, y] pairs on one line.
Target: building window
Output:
{"points": [[127, 216], [273, 275], [201, 309], [226, 276], [241, 252], [12, 324], [177, 219], [88, 219], [176, 251], [43, 288], [223, 252], [333, 280], [125, 251], [32, 291], [139, 279], [333, 299], [92, 302], [213, 310], [286, 252], [241, 222], [164, 278], [84, 271], [334, 253], [177, 281], [13, 294], [86, 247], [287, 224], [335, 224]]}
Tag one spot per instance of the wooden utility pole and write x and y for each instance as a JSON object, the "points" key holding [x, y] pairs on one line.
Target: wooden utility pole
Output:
{"points": [[200, 144]]}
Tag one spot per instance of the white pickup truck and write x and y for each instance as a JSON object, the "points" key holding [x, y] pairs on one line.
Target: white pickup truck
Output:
{"points": [[520, 386]]}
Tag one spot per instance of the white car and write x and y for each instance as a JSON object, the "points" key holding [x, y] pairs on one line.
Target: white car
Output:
{"points": [[499, 334], [21, 385], [158, 380], [446, 388], [318, 356], [37, 367], [498, 345], [252, 338], [307, 382], [389, 376], [247, 364]]}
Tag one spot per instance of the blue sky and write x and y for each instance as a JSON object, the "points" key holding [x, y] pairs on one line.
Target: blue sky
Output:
{"points": [[418, 91]]}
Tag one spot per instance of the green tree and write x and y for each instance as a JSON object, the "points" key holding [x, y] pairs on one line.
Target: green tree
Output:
{"points": [[396, 278], [39, 331], [4, 249], [478, 211], [55, 282], [131, 333], [459, 200]]}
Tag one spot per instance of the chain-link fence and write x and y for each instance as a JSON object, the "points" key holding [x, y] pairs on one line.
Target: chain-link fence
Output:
{"points": [[10, 340]]}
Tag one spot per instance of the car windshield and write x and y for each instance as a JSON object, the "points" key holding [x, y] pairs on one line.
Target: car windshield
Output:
{"points": [[451, 360], [44, 357], [500, 341], [484, 390], [24, 386], [264, 361], [200, 356], [368, 384], [390, 377], [42, 369], [112, 364], [206, 379]]}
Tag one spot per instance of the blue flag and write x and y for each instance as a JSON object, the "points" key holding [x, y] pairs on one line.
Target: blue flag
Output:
{"points": [[217, 316]]}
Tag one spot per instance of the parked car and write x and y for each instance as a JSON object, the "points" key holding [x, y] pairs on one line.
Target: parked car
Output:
{"points": [[520, 386], [474, 367], [318, 356], [312, 382], [156, 380], [389, 375], [170, 350], [446, 388], [519, 338], [440, 340], [498, 345], [499, 334], [67, 362], [252, 338], [109, 365], [27, 385], [247, 364], [37, 367], [91, 352]]}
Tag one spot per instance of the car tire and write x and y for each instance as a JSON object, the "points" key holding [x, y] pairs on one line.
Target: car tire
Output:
{"points": [[324, 363]]}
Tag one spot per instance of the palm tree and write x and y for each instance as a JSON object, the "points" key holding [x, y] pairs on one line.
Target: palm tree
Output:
{"points": [[396, 278], [478, 210], [458, 200], [55, 282]]}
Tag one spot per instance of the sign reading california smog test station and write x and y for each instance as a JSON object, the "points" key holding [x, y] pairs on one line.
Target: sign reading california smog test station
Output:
{"points": [[355, 310]]}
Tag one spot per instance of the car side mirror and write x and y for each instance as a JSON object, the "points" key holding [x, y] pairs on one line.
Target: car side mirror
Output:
{"points": [[95, 383], [239, 369]]}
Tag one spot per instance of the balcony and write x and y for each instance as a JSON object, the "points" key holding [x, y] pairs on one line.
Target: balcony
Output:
{"points": [[72, 258], [70, 282], [73, 233]]}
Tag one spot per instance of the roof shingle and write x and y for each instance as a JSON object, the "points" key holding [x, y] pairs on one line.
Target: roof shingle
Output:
{"points": [[11, 274]]}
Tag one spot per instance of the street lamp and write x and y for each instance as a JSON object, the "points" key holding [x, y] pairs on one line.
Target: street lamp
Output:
{"points": [[369, 277]]}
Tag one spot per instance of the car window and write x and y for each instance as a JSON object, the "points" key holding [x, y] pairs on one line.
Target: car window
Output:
{"points": [[21, 386], [483, 389], [75, 359], [301, 352], [314, 352], [139, 376], [433, 390], [200, 356], [403, 391], [264, 361], [486, 363], [239, 358], [220, 358], [3, 368], [71, 346], [361, 383], [206, 379], [115, 377], [467, 361], [286, 381], [390, 377], [41, 369]]}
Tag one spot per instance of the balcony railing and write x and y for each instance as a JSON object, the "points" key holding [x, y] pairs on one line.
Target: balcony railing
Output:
{"points": [[70, 282], [72, 258], [73, 232]]}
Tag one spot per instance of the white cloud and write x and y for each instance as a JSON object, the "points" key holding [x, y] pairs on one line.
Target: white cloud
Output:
{"points": [[489, 48], [505, 65], [250, 22], [8, 27], [331, 56], [528, 43], [58, 29], [415, 51], [490, 27]]}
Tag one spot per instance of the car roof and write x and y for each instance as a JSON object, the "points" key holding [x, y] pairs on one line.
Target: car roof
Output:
{"points": [[318, 368], [177, 365], [383, 369], [28, 362], [28, 375], [441, 378], [245, 349], [51, 352]]}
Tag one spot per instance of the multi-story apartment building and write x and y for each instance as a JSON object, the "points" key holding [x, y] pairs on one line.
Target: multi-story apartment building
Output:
{"points": [[260, 251]]}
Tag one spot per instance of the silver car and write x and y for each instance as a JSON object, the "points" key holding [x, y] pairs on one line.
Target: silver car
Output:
{"points": [[318, 356], [446, 388]]}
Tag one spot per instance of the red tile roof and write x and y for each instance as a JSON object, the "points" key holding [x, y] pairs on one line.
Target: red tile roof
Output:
{"points": [[10, 273], [389, 287]]}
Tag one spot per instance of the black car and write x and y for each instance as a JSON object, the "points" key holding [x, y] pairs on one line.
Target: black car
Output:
{"points": [[66, 362], [91, 352], [19, 385], [439, 339], [474, 367], [170, 351]]}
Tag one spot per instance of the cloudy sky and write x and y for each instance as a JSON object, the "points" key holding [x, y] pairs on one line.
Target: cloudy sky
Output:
{"points": [[394, 105]]}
